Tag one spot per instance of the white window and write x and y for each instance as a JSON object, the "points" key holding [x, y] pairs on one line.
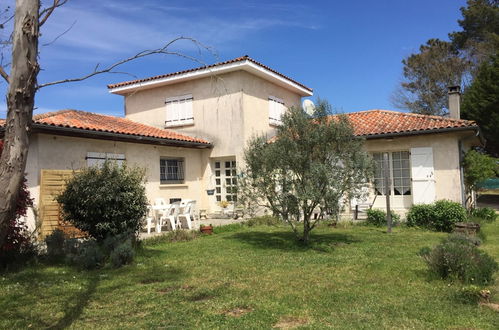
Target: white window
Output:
{"points": [[226, 180], [98, 158], [276, 110], [179, 111], [171, 170], [400, 173]]}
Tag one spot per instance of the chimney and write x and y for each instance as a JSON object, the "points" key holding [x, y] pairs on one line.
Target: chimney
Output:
{"points": [[454, 102]]}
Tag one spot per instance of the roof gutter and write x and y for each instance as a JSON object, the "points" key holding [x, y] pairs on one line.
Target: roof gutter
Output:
{"points": [[426, 131], [78, 132]]}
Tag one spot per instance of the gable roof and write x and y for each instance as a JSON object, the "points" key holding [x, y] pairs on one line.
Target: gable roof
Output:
{"points": [[239, 63], [379, 123], [101, 126]]}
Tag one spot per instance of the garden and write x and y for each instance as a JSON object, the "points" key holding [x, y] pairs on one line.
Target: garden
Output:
{"points": [[256, 276]]}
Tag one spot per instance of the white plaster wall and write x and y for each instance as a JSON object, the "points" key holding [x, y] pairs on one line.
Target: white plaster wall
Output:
{"points": [[68, 153]]}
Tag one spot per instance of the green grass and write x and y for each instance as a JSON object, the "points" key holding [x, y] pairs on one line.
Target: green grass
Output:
{"points": [[253, 278]]}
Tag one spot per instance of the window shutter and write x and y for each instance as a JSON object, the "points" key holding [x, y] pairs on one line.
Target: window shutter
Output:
{"points": [[423, 176]]}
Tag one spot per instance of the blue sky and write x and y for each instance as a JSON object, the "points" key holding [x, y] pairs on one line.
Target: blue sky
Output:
{"points": [[349, 52]]}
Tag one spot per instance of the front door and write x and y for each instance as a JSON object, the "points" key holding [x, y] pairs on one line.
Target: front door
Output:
{"points": [[225, 180]]}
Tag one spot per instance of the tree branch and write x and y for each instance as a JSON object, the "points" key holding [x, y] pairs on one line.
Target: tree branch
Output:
{"points": [[45, 13], [163, 50], [4, 74]]}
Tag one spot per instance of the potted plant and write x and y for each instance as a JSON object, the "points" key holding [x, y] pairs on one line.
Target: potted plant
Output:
{"points": [[206, 229]]}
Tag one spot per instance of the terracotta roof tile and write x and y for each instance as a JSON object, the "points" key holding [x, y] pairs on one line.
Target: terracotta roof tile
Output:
{"points": [[103, 123], [377, 122], [235, 60]]}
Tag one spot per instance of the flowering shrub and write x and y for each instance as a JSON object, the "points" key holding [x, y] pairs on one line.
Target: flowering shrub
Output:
{"points": [[17, 241]]}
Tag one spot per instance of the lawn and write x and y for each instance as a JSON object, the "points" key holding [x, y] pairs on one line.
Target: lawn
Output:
{"points": [[255, 277]]}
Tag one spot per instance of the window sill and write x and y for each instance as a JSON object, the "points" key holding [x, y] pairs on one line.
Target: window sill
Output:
{"points": [[173, 185], [184, 124]]}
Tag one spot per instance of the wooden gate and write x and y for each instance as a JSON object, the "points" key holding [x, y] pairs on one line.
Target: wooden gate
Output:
{"points": [[52, 183]]}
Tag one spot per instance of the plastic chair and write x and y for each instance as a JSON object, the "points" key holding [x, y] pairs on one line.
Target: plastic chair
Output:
{"points": [[169, 216], [187, 214], [149, 218]]}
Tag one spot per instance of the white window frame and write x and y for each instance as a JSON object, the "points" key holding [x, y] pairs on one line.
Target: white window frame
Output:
{"points": [[179, 111], [276, 109], [99, 158], [392, 177]]}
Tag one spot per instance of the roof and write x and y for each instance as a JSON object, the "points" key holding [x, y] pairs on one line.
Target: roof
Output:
{"points": [[93, 122], [243, 62], [372, 123]]}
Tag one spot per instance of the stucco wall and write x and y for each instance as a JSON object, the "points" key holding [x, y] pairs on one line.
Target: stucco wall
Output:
{"points": [[446, 163], [228, 109], [68, 153]]}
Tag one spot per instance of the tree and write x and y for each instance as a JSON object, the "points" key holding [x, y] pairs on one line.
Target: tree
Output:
{"points": [[22, 81], [481, 102], [312, 163], [479, 38], [477, 168], [427, 76]]}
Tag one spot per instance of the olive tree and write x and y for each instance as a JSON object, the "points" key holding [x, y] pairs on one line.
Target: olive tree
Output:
{"points": [[310, 165]]}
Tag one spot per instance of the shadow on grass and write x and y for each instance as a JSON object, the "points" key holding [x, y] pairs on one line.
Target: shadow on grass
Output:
{"points": [[73, 311], [287, 241]]}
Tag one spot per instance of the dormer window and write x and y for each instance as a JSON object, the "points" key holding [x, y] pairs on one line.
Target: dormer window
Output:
{"points": [[179, 111], [276, 110]]}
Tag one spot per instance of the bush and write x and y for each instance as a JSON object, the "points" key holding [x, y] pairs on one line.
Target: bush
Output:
{"points": [[420, 215], [440, 216], [264, 220], [485, 213], [122, 255], [458, 258], [89, 256], [55, 245], [446, 214], [470, 294], [377, 217], [105, 201]]}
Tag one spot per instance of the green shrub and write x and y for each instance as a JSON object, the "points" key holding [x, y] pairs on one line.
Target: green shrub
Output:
{"points": [[446, 214], [458, 258], [55, 245], [440, 216], [485, 213], [87, 255], [470, 294], [377, 217], [122, 255], [105, 201], [420, 215], [264, 220]]}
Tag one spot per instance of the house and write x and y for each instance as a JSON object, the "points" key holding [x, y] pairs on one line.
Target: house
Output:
{"points": [[188, 129]]}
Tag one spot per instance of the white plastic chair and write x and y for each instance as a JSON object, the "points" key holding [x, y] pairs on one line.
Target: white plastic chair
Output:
{"points": [[169, 216], [149, 218], [187, 214]]}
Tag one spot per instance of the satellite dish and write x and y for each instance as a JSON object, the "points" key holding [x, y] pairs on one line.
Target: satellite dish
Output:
{"points": [[308, 106]]}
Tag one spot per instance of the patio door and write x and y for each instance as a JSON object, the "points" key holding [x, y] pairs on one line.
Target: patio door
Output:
{"points": [[423, 175], [225, 180]]}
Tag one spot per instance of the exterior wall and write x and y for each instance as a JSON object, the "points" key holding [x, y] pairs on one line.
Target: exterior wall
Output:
{"points": [[68, 153], [446, 163], [228, 109]]}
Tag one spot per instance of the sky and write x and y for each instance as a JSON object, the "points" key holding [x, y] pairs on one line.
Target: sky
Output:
{"points": [[349, 52]]}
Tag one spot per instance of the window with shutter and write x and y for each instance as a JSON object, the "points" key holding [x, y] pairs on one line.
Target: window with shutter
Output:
{"points": [[179, 111], [276, 110]]}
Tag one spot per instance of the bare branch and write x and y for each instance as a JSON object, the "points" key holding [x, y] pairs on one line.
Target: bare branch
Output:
{"points": [[60, 35], [45, 13], [4, 74], [163, 50]]}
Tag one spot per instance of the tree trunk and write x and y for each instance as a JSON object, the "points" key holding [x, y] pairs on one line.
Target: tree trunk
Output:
{"points": [[20, 103]]}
